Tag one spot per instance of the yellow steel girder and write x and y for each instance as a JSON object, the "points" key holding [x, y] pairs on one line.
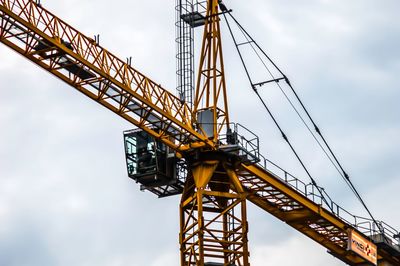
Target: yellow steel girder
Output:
{"points": [[213, 217], [283, 201], [49, 42], [210, 91], [81, 62]]}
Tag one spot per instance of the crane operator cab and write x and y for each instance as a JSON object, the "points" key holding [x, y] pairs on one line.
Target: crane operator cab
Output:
{"points": [[149, 162]]}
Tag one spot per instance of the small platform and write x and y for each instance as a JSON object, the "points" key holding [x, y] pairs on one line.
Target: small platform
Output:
{"points": [[194, 19], [241, 143], [48, 51], [386, 244], [244, 155]]}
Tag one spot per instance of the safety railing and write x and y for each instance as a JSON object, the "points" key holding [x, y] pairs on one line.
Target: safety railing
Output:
{"points": [[380, 232], [241, 140]]}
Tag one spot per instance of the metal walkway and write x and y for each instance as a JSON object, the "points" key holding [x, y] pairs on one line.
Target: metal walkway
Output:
{"points": [[301, 206]]}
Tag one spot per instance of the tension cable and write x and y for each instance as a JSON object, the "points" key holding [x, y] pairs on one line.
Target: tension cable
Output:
{"points": [[330, 154]]}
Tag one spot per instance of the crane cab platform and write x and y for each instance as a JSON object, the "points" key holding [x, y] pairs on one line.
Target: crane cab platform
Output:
{"points": [[151, 164], [241, 143]]}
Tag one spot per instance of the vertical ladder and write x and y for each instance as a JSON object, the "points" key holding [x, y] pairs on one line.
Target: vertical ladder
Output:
{"points": [[188, 17]]}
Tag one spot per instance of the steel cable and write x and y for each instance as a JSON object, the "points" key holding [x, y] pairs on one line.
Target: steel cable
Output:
{"points": [[331, 155]]}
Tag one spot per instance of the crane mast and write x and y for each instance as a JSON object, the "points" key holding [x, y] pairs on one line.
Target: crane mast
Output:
{"points": [[194, 151], [213, 221], [210, 102]]}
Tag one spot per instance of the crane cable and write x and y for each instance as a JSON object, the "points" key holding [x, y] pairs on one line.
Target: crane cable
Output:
{"points": [[337, 165], [284, 136], [294, 108], [292, 105]]}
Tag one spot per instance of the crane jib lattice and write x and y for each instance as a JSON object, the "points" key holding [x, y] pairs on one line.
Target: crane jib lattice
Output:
{"points": [[43, 38], [49, 42]]}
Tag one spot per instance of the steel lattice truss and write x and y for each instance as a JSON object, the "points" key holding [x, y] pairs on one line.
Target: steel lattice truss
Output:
{"points": [[78, 60], [213, 206]]}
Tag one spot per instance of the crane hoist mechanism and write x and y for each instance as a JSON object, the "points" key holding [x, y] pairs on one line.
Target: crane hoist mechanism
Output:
{"points": [[187, 144]]}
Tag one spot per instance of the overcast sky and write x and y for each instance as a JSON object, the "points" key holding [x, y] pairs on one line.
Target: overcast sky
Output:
{"points": [[65, 198]]}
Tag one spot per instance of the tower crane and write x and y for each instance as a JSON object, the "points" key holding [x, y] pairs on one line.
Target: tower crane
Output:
{"points": [[188, 145]]}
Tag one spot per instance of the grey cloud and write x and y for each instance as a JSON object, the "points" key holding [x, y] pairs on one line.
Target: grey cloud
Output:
{"points": [[25, 246], [64, 195]]}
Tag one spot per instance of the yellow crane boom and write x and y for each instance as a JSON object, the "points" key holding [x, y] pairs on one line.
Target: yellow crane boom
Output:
{"points": [[220, 178], [300, 206], [78, 60]]}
